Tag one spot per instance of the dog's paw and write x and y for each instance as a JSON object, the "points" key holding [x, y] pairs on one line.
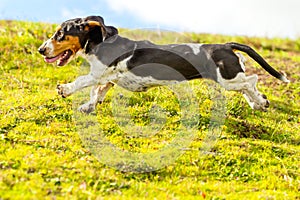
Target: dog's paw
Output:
{"points": [[263, 104], [87, 108], [259, 103], [64, 90], [262, 107]]}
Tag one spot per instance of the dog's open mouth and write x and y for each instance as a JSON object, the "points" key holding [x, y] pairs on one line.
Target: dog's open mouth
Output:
{"points": [[61, 59]]}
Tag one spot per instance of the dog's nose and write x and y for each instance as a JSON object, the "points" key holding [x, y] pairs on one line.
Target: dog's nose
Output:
{"points": [[42, 50]]}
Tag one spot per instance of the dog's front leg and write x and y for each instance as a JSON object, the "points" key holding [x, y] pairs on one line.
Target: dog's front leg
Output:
{"points": [[81, 82], [97, 95]]}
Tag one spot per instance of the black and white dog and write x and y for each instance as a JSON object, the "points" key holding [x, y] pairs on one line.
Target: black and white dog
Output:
{"points": [[140, 65]]}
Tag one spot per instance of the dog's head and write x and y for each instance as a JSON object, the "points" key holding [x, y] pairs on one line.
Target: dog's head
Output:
{"points": [[73, 36]]}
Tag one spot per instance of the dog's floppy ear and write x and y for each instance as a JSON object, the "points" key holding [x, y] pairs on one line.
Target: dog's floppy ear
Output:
{"points": [[97, 31], [107, 31], [97, 21]]}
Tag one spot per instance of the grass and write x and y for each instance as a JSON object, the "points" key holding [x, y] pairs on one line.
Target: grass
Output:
{"points": [[43, 156]]}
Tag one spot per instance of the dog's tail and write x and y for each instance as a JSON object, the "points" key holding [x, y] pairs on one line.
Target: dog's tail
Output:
{"points": [[253, 54]]}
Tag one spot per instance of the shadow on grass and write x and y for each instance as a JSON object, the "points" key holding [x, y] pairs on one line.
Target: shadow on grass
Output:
{"points": [[286, 108], [243, 127]]}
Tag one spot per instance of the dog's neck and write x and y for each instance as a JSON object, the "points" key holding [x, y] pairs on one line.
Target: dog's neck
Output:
{"points": [[111, 51]]}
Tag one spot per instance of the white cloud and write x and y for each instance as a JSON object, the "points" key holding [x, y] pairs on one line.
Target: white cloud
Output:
{"points": [[238, 17]]}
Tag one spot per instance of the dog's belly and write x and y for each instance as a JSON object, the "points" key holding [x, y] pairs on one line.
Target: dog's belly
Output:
{"points": [[135, 83]]}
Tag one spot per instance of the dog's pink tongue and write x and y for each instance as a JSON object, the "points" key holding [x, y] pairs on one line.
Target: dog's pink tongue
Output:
{"points": [[51, 60]]}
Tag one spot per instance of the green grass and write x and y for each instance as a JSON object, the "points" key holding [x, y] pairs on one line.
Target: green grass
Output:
{"points": [[42, 156]]}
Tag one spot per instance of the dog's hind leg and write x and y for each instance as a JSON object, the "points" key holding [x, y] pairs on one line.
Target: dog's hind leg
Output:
{"points": [[247, 86], [97, 95], [254, 98]]}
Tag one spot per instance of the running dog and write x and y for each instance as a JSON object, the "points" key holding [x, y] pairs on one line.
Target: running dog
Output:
{"points": [[140, 65]]}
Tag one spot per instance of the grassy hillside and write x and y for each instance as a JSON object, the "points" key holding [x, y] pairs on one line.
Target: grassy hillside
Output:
{"points": [[256, 154]]}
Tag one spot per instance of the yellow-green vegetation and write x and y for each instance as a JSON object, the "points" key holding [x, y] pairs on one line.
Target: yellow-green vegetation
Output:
{"points": [[256, 155]]}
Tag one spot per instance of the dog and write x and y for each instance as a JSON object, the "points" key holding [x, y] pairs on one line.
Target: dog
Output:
{"points": [[140, 65]]}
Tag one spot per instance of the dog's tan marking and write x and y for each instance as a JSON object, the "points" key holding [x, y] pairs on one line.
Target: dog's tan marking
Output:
{"points": [[70, 42]]}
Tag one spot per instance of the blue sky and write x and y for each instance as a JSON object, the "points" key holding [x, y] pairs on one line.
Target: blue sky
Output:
{"points": [[57, 11], [234, 17]]}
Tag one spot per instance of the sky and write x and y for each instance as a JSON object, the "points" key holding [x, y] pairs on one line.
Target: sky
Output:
{"points": [[265, 18]]}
